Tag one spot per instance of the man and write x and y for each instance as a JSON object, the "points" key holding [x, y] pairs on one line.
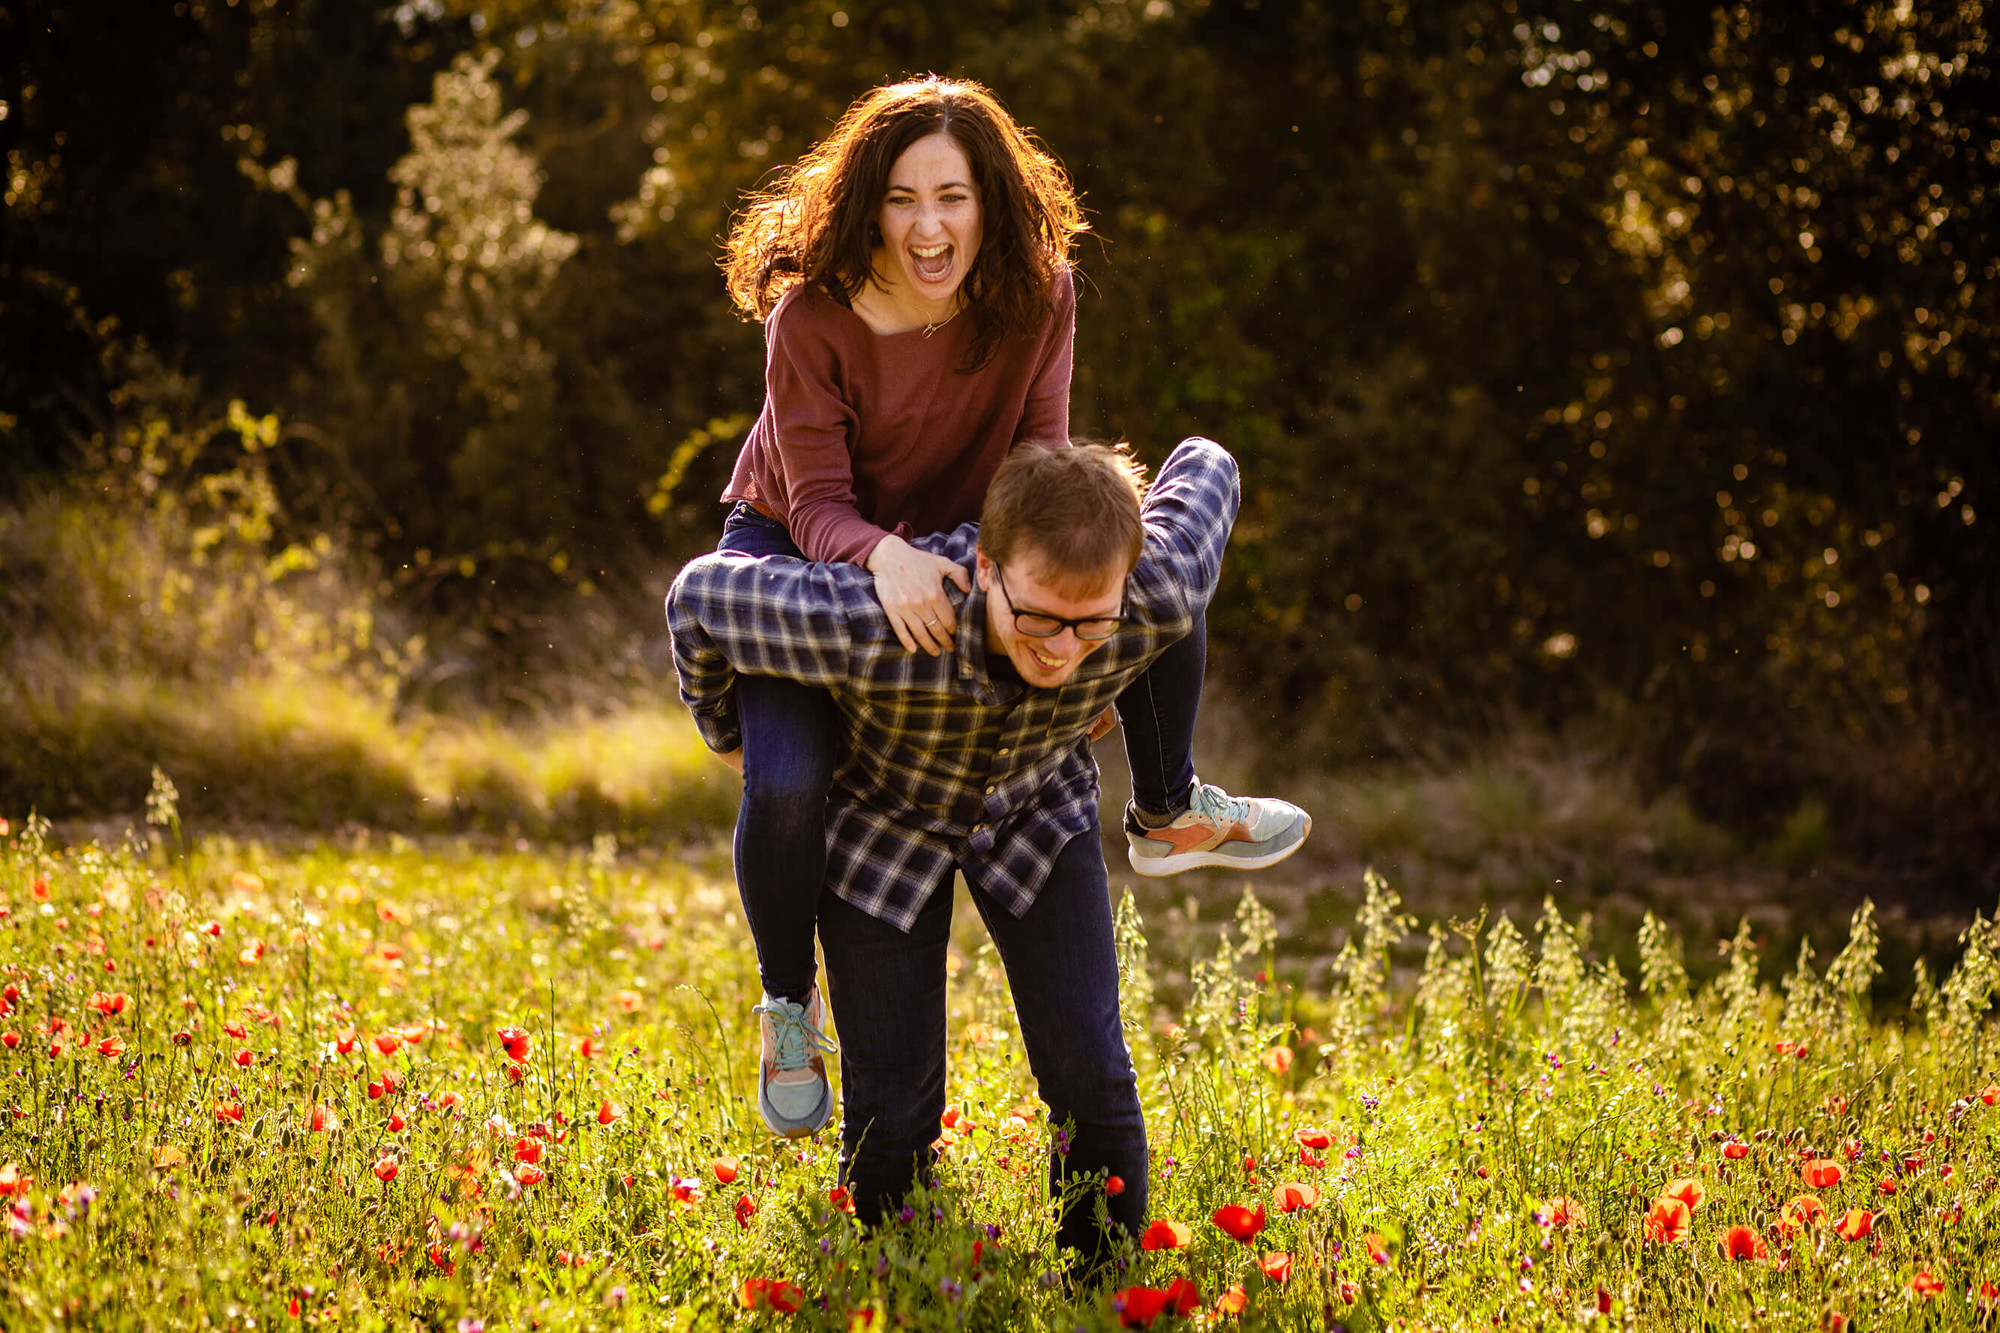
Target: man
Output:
{"points": [[978, 760]]}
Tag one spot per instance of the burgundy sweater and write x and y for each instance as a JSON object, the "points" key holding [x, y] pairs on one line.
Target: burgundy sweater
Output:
{"points": [[863, 434]]}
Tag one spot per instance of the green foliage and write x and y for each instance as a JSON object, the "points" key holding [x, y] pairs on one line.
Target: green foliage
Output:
{"points": [[298, 1071]]}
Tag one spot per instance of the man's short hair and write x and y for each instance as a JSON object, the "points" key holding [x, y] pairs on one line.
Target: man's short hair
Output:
{"points": [[1075, 509]]}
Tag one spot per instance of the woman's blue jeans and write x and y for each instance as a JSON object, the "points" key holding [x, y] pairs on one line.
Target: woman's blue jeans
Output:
{"points": [[791, 746], [887, 990]]}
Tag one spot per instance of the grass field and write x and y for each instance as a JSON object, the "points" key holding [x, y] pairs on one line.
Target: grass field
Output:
{"points": [[371, 1084]]}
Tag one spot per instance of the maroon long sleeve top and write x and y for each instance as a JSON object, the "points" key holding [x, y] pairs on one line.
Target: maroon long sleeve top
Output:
{"points": [[863, 434]]}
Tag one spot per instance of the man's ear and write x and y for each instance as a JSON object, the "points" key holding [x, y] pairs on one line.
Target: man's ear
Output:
{"points": [[983, 570]]}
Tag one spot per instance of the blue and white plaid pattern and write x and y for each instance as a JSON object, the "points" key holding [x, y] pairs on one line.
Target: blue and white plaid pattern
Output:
{"points": [[944, 764]]}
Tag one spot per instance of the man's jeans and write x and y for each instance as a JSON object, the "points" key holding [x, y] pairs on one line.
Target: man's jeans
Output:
{"points": [[887, 990], [791, 746]]}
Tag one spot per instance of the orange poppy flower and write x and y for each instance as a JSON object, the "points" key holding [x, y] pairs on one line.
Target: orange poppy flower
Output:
{"points": [[1802, 1212], [244, 1059], [1823, 1173], [1924, 1285], [1165, 1234], [386, 1169], [1277, 1266], [770, 1293], [609, 1113], [725, 1168], [514, 1041], [111, 1047], [388, 1042], [1293, 1196], [1238, 1222], [232, 1028], [229, 1112], [1855, 1224], [1231, 1301], [1314, 1138], [528, 1150], [10, 1039], [346, 1042], [1560, 1211], [841, 1198], [1667, 1220], [746, 1208], [530, 1174], [1887, 1185], [1687, 1189], [1740, 1242], [1735, 1150], [113, 1003]]}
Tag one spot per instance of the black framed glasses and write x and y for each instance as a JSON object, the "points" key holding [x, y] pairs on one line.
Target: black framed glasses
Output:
{"points": [[1042, 625]]}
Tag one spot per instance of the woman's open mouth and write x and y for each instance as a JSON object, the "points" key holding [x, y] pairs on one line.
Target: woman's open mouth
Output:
{"points": [[932, 262]]}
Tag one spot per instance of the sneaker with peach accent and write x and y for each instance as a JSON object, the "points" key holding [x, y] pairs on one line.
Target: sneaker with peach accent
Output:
{"points": [[1217, 829], [793, 1093]]}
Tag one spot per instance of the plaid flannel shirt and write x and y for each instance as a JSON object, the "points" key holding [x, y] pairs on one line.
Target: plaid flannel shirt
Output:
{"points": [[943, 764]]}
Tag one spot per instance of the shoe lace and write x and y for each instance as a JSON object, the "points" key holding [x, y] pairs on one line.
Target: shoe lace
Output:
{"points": [[792, 1034], [1213, 803]]}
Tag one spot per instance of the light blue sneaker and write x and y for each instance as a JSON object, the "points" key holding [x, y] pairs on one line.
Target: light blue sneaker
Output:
{"points": [[793, 1094], [1217, 829]]}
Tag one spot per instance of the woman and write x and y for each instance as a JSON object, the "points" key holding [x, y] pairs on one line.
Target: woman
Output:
{"points": [[912, 275]]}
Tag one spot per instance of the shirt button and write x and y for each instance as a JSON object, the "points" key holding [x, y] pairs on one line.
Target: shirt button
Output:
{"points": [[1003, 750], [991, 790]]}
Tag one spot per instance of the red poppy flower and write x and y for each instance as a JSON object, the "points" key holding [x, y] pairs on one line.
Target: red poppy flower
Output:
{"points": [[1561, 1211], [770, 1293], [244, 1059], [375, 1090], [1314, 1138], [1990, 1094], [1802, 1212], [1293, 1196], [1740, 1242], [1138, 1307], [1238, 1222], [12, 1181], [1667, 1220], [1231, 1301], [725, 1168], [232, 1028], [530, 1174], [388, 1042], [528, 1150], [609, 1113], [514, 1041], [841, 1198], [319, 1119], [1687, 1189], [1165, 1234], [1823, 1173], [1924, 1285], [396, 1123], [1277, 1266], [449, 1100], [111, 1047], [746, 1208], [251, 953], [1855, 1224], [1887, 1185], [386, 1169], [1736, 1150], [113, 1003], [1307, 1157], [1114, 1185], [11, 1040], [1278, 1060], [229, 1112], [346, 1042], [515, 1073], [588, 1048], [213, 928], [1852, 1149], [1377, 1252]]}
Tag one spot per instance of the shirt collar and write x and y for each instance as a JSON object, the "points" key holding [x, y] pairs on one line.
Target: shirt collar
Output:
{"points": [[970, 646]]}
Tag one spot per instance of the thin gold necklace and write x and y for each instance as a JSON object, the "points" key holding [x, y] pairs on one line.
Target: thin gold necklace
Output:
{"points": [[929, 329]]}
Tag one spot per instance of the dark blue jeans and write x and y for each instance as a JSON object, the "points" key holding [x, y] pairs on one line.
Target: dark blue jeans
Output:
{"points": [[887, 990], [791, 746]]}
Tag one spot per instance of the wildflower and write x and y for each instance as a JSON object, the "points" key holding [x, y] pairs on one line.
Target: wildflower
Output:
{"points": [[1164, 1234], [12, 1182], [1307, 1157], [746, 1208], [609, 1113], [1735, 1150], [114, 1003], [528, 1150], [1836, 1106], [1560, 1211], [388, 1042], [725, 1168], [251, 952], [841, 1198], [321, 1120], [1687, 1189], [10, 1039], [1238, 1222], [515, 1073], [1740, 1242], [767, 1293], [1278, 1060], [1924, 1285], [244, 1059], [1277, 1266], [1852, 1149], [1377, 1252], [1667, 1220], [683, 1190], [1114, 1185], [514, 1041], [1986, 1298], [111, 1047], [1823, 1173], [1138, 1307], [530, 1174], [1990, 1094], [1231, 1301], [1855, 1224], [1802, 1212], [345, 1042], [386, 1169], [1887, 1184], [630, 1001], [210, 928], [1314, 1138], [375, 1091], [448, 1101], [396, 1123], [232, 1028], [1293, 1196], [588, 1048]]}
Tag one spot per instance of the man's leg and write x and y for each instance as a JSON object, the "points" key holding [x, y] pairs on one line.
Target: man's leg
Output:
{"points": [[888, 995], [1062, 966], [1175, 823]]}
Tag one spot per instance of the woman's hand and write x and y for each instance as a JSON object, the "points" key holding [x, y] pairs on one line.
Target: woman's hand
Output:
{"points": [[910, 585]]}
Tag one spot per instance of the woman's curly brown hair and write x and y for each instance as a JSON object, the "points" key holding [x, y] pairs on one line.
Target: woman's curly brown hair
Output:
{"points": [[817, 221]]}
